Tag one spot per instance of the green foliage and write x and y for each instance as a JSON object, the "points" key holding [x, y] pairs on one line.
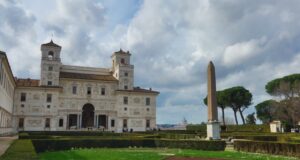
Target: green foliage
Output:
{"points": [[288, 149], [248, 128], [264, 111], [20, 150], [272, 86], [42, 145], [192, 144], [258, 128], [196, 127], [250, 119]]}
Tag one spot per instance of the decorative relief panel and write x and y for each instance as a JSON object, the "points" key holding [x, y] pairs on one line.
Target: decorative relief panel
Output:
{"points": [[36, 96], [34, 123], [136, 100], [137, 123]]}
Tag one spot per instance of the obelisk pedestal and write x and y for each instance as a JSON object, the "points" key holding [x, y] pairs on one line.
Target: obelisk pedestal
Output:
{"points": [[213, 125]]}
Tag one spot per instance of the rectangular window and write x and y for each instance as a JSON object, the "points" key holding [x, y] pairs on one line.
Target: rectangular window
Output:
{"points": [[125, 87], [21, 122], [49, 98], [122, 61], [89, 91], [102, 91], [23, 97], [126, 74], [147, 123], [125, 100], [112, 123], [124, 123], [61, 122], [49, 83], [47, 123], [50, 68], [147, 101], [74, 90]]}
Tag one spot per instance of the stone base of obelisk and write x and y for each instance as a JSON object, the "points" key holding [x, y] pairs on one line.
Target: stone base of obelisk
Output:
{"points": [[213, 130]]}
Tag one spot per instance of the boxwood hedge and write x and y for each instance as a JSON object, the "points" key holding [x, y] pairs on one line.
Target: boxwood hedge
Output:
{"points": [[42, 145], [288, 149]]}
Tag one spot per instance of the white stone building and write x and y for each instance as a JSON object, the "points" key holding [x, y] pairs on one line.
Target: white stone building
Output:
{"points": [[81, 98], [7, 87]]}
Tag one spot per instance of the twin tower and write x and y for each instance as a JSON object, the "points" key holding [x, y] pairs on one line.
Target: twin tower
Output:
{"points": [[51, 65]]}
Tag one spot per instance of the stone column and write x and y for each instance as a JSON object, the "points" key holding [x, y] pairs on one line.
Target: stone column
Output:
{"points": [[77, 124], [97, 117], [213, 126], [80, 120], [67, 126]]}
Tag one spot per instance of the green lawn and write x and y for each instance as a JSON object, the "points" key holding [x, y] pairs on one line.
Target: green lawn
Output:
{"points": [[150, 154]]}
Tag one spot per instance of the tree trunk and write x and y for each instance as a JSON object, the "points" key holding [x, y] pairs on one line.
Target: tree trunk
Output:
{"points": [[242, 116], [223, 116], [235, 117]]}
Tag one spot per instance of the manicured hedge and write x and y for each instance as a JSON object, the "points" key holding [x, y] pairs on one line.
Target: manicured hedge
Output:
{"points": [[192, 144], [54, 145], [233, 128], [288, 149], [248, 128], [20, 150]]}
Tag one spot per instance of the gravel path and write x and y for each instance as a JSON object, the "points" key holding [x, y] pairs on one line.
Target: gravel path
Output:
{"points": [[191, 158], [5, 143]]}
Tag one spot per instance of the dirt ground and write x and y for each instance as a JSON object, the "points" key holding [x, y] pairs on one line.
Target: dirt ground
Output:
{"points": [[189, 158]]}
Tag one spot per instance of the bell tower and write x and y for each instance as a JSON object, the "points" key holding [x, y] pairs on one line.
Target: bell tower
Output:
{"points": [[123, 70], [50, 64]]}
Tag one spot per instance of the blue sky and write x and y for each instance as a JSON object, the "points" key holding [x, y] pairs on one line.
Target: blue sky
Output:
{"points": [[172, 41]]}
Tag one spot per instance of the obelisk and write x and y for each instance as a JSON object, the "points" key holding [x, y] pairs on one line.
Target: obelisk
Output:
{"points": [[213, 126]]}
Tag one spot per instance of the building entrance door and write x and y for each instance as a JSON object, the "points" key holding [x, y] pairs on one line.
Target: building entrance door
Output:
{"points": [[88, 112]]}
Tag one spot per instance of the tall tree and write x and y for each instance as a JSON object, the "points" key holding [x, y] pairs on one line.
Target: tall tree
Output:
{"points": [[287, 90], [239, 99], [265, 111], [221, 102], [250, 119]]}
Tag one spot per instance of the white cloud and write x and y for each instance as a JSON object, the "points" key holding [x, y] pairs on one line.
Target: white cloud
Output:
{"points": [[243, 51], [171, 43]]}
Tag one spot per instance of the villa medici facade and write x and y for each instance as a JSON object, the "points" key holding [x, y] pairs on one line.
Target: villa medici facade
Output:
{"points": [[75, 98]]}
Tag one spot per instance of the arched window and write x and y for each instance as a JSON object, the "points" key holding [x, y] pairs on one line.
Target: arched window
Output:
{"points": [[50, 55]]}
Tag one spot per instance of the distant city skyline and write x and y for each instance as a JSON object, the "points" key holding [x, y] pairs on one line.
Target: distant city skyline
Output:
{"points": [[250, 43]]}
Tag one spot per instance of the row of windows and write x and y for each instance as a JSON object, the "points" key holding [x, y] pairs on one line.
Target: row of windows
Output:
{"points": [[48, 98], [61, 123], [147, 102], [89, 90], [4, 81]]}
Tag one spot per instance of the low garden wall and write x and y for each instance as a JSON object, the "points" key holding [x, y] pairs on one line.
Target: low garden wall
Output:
{"points": [[288, 149]]}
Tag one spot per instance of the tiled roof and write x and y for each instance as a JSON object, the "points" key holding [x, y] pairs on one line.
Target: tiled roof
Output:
{"points": [[52, 44], [141, 90], [27, 82], [87, 76]]}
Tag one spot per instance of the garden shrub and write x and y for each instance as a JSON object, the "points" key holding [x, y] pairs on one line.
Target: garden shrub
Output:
{"points": [[288, 149], [42, 145], [233, 128], [192, 144]]}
